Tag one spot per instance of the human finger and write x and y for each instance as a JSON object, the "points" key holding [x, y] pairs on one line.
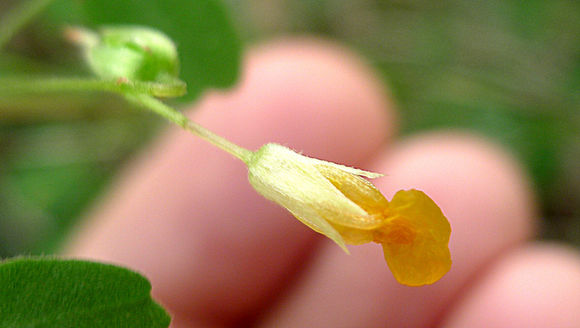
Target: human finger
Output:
{"points": [[535, 286]]}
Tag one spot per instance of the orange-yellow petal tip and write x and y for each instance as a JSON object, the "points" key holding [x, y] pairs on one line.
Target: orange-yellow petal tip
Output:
{"points": [[415, 239]]}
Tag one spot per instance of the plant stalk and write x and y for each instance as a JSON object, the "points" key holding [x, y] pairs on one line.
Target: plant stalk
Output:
{"points": [[180, 119]]}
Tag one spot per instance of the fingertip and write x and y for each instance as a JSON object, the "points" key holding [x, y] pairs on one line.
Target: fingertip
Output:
{"points": [[535, 286]]}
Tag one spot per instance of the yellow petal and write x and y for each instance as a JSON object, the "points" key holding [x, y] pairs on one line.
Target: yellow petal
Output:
{"points": [[319, 225], [359, 191], [353, 236], [415, 239]]}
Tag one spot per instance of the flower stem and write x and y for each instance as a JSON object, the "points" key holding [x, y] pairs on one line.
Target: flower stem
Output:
{"points": [[15, 19], [178, 118], [13, 85]]}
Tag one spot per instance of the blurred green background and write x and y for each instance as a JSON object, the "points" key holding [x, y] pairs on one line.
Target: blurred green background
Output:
{"points": [[504, 68]]}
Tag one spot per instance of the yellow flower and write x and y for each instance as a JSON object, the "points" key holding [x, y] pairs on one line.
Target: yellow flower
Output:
{"points": [[336, 201]]}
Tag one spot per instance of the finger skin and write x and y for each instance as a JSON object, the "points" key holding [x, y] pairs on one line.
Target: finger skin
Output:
{"points": [[535, 286], [485, 197], [185, 215]]}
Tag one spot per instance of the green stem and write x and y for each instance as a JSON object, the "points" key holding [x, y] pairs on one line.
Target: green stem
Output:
{"points": [[11, 86], [178, 118], [14, 86], [18, 17]]}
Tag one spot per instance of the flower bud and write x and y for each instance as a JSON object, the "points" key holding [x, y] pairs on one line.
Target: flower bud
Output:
{"points": [[131, 52]]}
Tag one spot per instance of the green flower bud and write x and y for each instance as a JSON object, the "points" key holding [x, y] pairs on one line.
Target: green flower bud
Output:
{"points": [[131, 52]]}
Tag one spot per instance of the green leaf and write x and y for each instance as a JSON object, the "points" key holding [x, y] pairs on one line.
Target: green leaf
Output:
{"points": [[49, 292], [208, 46]]}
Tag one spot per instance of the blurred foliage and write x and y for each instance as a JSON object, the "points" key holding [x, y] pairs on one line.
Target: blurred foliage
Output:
{"points": [[508, 69]]}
